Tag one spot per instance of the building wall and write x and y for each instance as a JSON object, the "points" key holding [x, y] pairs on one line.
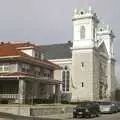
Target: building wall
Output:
{"points": [[66, 86], [92, 73], [30, 52], [58, 76], [100, 76], [82, 75], [58, 73], [111, 78], [113, 75], [96, 75]]}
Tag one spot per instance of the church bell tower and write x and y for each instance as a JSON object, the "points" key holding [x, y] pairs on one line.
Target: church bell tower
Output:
{"points": [[84, 38], [84, 28]]}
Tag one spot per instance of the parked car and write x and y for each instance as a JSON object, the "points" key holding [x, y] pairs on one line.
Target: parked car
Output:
{"points": [[108, 107], [86, 109], [118, 104]]}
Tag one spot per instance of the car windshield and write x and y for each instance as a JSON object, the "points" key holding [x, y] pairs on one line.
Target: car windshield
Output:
{"points": [[105, 103], [83, 104]]}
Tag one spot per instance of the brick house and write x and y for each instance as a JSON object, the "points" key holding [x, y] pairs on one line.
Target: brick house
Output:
{"points": [[25, 76]]}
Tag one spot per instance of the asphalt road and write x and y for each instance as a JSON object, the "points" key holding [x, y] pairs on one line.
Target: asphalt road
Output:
{"points": [[6, 116], [115, 116]]}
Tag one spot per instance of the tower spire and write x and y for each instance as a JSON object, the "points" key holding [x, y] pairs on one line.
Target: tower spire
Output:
{"points": [[90, 9]]}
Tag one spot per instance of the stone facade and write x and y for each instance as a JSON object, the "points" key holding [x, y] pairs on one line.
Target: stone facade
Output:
{"points": [[92, 63]]}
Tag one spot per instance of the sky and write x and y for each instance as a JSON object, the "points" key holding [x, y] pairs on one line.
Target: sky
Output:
{"points": [[50, 21]]}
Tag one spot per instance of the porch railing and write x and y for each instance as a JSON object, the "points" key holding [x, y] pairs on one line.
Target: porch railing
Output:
{"points": [[14, 96]]}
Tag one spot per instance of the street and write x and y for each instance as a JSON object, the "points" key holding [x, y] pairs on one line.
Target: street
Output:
{"points": [[115, 116], [67, 116]]}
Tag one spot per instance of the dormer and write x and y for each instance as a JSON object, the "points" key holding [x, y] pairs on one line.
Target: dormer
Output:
{"points": [[31, 50]]}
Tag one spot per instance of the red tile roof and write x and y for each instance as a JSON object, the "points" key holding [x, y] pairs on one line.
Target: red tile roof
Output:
{"points": [[9, 49], [17, 45]]}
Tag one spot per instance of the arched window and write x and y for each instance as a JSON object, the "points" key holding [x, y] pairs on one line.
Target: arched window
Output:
{"points": [[63, 80], [67, 80], [82, 32]]}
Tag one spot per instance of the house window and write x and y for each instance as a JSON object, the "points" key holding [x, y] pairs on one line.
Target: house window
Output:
{"points": [[1, 68], [37, 70], [41, 56], [25, 67], [6, 68], [82, 32], [47, 72]]}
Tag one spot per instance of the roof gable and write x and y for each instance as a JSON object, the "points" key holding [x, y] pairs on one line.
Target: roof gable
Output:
{"points": [[102, 48]]}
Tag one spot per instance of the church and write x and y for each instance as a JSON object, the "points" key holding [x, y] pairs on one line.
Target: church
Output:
{"points": [[87, 61]]}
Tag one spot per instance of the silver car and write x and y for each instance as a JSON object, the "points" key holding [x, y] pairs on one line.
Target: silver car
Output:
{"points": [[108, 107]]}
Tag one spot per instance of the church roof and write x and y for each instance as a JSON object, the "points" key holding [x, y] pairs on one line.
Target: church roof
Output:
{"points": [[57, 51]]}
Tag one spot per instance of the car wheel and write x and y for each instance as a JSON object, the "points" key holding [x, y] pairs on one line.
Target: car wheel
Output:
{"points": [[98, 115], [74, 116]]}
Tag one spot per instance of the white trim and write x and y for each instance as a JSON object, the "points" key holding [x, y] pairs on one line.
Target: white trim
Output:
{"points": [[42, 79], [58, 61], [82, 50], [30, 47], [10, 56]]}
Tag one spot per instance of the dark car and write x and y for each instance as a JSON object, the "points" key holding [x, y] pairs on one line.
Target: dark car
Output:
{"points": [[118, 105], [86, 109]]}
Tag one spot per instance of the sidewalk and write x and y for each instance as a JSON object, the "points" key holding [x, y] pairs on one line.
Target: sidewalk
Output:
{"points": [[63, 116]]}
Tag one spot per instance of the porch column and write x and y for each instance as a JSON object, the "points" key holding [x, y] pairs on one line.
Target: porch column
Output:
{"points": [[57, 93], [21, 91], [35, 90]]}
